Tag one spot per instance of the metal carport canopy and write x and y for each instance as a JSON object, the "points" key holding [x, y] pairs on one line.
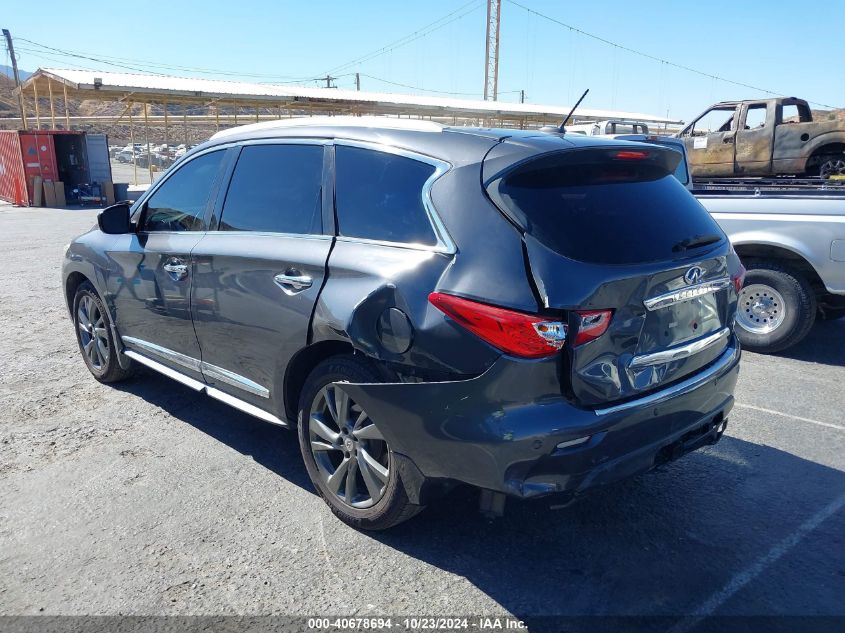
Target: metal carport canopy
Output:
{"points": [[139, 88]]}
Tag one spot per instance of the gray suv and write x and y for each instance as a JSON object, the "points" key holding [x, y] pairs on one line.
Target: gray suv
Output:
{"points": [[528, 313]]}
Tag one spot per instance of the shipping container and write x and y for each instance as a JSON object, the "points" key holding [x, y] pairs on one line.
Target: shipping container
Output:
{"points": [[68, 157]]}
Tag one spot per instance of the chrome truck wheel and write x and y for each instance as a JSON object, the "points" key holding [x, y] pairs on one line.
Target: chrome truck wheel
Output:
{"points": [[761, 309], [775, 309]]}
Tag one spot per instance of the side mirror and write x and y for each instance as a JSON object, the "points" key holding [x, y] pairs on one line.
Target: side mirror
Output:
{"points": [[114, 220]]}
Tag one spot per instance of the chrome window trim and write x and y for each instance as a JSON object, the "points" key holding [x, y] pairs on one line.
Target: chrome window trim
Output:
{"points": [[685, 386], [686, 293], [680, 351], [444, 244], [306, 236]]}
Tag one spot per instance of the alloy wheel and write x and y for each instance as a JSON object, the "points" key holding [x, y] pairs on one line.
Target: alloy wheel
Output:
{"points": [[761, 308], [352, 456], [92, 332]]}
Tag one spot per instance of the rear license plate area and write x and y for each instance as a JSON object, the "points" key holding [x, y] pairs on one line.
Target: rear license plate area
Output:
{"points": [[685, 321]]}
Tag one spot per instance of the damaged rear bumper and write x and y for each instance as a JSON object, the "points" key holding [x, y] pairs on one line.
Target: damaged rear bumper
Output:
{"points": [[511, 431]]}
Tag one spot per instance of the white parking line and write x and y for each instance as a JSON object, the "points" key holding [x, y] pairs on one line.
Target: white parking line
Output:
{"points": [[829, 425], [746, 576]]}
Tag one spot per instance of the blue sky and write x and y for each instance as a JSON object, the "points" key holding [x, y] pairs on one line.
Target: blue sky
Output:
{"points": [[768, 44]]}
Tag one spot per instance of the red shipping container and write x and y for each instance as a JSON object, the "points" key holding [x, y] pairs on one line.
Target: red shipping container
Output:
{"points": [[23, 156], [12, 178]]}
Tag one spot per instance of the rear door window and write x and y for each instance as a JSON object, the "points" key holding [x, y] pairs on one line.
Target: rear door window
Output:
{"points": [[379, 196], [594, 207], [179, 203], [275, 189]]}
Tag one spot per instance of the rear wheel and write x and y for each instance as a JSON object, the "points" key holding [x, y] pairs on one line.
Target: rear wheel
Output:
{"points": [[776, 308], [832, 166], [95, 336], [346, 456]]}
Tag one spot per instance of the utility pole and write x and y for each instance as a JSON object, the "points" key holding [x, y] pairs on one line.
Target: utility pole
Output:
{"points": [[328, 79], [522, 96], [491, 63], [358, 81], [11, 48]]}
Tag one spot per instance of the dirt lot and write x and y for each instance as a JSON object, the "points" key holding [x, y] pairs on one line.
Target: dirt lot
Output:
{"points": [[147, 498]]}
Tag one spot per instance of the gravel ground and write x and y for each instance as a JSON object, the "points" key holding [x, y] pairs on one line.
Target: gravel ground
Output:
{"points": [[147, 498]]}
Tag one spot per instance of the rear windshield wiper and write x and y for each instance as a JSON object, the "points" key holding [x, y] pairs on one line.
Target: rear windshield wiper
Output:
{"points": [[696, 241]]}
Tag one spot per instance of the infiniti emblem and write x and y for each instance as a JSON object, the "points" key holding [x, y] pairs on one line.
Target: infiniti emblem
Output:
{"points": [[693, 275]]}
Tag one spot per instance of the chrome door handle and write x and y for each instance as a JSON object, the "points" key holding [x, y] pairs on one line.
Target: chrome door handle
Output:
{"points": [[176, 268], [291, 282]]}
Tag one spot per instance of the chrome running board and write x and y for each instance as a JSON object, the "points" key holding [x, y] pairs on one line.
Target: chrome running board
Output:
{"points": [[196, 385]]}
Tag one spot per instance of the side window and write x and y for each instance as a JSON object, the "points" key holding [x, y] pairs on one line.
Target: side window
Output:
{"points": [[179, 204], [715, 120], [755, 117], [795, 113], [379, 196], [276, 189], [790, 114]]}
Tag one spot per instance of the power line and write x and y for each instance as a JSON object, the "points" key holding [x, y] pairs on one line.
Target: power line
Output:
{"points": [[411, 37], [442, 92], [119, 62], [653, 57]]}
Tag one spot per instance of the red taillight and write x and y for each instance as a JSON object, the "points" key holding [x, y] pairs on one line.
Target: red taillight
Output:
{"points": [[515, 333], [631, 155], [591, 325], [739, 278]]}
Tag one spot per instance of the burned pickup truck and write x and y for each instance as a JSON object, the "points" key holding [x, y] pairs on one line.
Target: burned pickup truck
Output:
{"points": [[767, 137]]}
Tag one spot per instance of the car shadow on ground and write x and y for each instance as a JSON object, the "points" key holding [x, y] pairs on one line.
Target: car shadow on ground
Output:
{"points": [[274, 447], [824, 344], [658, 545]]}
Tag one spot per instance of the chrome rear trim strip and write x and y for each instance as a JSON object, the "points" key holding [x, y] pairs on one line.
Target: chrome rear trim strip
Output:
{"points": [[196, 385], [679, 352], [678, 389], [236, 380], [246, 407], [687, 293]]}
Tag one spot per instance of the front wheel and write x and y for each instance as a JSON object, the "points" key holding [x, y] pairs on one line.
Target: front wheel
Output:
{"points": [[776, 308], [95, 336], [346, 456]]}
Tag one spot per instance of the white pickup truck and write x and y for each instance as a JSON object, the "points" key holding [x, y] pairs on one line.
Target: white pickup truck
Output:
{"points": [[792, 242], [790, 235]]}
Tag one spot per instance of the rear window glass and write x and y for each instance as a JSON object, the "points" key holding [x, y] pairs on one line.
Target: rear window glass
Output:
{"points": [[591, 207], [379, 196]]}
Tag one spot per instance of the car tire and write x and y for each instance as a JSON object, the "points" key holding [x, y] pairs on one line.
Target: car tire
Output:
{"points": [[95, 336], [376, 498], [776, 307]]}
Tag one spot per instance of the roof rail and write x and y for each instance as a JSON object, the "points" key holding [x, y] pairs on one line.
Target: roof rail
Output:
{"points": [[392, 123]]}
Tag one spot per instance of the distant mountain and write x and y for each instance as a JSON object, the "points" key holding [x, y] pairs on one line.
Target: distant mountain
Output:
{"points": [[7, 70]]}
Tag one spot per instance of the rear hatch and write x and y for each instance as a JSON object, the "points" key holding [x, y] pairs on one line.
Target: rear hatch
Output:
{"points": [[614, 240]]}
